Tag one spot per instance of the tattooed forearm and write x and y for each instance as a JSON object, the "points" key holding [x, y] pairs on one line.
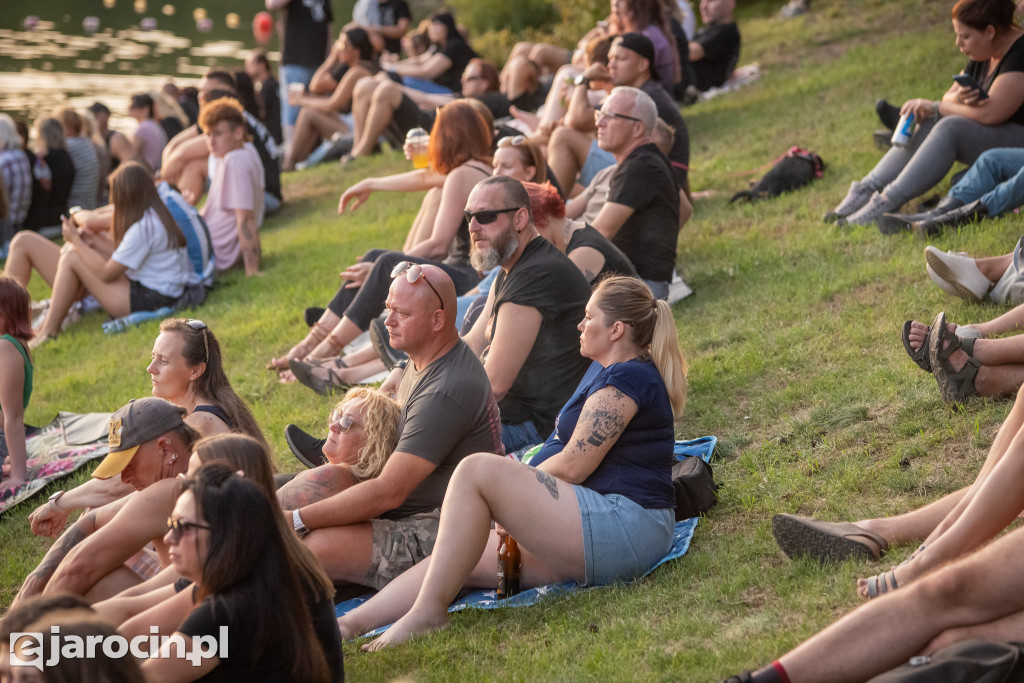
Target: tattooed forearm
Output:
{"points": [[605, 419], [549, 482], [36, 582], [309, 487]]}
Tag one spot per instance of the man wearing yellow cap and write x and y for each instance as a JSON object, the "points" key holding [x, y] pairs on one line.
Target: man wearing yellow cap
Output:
{"points": [[149, 447]]}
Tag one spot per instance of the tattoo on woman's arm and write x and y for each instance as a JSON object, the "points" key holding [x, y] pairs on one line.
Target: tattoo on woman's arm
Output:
{"points": [[549, 482], [606, 418]]}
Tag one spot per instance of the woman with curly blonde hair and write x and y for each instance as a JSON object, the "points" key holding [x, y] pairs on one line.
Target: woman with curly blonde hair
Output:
{"points": [[363, 432]]}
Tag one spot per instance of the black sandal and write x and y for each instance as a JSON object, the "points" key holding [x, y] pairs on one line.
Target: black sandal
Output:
{"points": [[921, 355], [954, 385]]}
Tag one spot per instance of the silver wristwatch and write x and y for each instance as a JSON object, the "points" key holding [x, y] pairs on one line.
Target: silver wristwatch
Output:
{"points": [[300, 528]]}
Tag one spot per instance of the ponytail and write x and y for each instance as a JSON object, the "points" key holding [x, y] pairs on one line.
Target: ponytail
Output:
{"points": [[668, 357]]}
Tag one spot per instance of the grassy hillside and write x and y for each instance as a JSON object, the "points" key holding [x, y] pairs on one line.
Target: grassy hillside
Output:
{"points": [[795, 364]]}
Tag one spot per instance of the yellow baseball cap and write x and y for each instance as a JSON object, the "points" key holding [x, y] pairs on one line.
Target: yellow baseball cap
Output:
{"points": [[134, 424]]}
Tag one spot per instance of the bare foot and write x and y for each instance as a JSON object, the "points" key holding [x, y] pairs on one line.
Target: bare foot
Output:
{"points": [[918, 332], [411, 625], [348, 631], [286, 377]]}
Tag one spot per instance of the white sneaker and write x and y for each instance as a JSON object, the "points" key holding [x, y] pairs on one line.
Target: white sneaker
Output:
{"points": [[855, 198], [870, 213], [959, 272]]}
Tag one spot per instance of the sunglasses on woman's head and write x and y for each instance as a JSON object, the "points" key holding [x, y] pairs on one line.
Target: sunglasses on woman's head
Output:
{"points": [[413, 273], [487, 216], [179, 527], [513, 140], [200, 325]]}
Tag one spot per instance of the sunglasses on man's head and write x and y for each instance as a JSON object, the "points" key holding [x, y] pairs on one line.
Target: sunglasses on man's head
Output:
{"points": [[487, 216], [179, 527], [413, 273]]}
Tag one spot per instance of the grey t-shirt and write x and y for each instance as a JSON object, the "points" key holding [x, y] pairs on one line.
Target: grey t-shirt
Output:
{"points": [[448, 412]]}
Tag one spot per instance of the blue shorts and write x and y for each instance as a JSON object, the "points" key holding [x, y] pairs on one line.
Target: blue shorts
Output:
{"points": [[621, 540]]}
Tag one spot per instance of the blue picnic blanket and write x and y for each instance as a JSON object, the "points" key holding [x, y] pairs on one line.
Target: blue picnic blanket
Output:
{"points": [[485, 599]]}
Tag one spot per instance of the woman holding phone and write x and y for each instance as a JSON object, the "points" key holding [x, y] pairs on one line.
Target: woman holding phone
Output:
{"points": [[960, 126]]}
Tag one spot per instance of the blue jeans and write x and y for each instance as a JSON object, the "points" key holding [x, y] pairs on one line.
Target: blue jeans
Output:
{"points": [[597, 159], [996, 178], [514, 437], [293, 73]]}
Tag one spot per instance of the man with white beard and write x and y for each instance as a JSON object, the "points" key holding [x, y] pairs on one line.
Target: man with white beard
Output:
{"points": [[526, 334]]}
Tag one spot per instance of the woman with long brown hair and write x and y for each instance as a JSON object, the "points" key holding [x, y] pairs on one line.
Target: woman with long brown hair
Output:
{"points": [[141, 266], [459, 155], [15, 377]]}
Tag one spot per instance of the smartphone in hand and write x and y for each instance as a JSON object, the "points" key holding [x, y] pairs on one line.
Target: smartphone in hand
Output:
{"points": [[968, 82]]}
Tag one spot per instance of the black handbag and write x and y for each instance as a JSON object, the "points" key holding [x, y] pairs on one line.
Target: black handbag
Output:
{"points": [[695, 488], [969, 661]]}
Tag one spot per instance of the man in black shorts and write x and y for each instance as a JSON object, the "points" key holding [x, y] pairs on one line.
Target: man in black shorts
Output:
{"points": [[371, 531], [527, 332], [641, 216]]}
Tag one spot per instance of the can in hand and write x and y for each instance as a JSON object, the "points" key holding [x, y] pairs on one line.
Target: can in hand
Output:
{"points": [[904, 129]]}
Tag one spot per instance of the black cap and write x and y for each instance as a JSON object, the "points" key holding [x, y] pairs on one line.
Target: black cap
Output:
{"points": [[642, 45]]}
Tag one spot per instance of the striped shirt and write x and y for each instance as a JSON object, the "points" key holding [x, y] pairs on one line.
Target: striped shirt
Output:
{"points": [[17, 179], [85, 188]]}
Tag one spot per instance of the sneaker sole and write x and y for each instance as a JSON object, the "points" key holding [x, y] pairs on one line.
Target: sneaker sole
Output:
{"points": [[944, 272], [800, 540]]}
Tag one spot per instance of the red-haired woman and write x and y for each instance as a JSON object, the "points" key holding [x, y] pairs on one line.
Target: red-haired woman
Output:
{"points": [[15, 375], [459, 153]]}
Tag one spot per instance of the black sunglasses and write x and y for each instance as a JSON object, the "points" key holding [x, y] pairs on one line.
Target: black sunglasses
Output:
{"points": [[600, 114], [414, 272], [179, 528], [487, 216], [200, 325]]}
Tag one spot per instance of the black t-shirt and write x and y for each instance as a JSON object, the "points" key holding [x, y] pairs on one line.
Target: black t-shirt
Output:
{"points": [[721, 43], [47, 205], [171, 126], [531, 101], [267, 149], [390, 13], [644, 183], [270, 107], [668, 111], [305, 32], [1013, 60], [459, 53], [545, 279], [272, 664], [615, 262]]}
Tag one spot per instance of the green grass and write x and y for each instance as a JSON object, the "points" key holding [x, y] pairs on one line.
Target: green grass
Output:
{"points": [[795, 364]]}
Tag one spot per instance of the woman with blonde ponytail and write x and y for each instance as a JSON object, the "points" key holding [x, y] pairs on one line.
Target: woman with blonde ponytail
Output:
{"points": [[598, 495]]}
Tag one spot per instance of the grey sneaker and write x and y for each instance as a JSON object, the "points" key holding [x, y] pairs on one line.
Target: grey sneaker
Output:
{"points": [[858, 196], [870, 213]]}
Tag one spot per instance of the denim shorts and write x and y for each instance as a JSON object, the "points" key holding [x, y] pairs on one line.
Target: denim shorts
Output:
{"points": [[621, 540]]}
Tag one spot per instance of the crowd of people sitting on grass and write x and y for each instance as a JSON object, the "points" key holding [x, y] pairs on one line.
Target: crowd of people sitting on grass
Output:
{"points": [[527, 311]]}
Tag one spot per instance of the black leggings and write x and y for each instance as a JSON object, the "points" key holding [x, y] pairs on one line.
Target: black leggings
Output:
{"points": [[366, 303]]}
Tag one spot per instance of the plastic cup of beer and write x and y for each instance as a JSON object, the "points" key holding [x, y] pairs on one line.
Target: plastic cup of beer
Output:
{"points": [[417, 141], [296, 90]]}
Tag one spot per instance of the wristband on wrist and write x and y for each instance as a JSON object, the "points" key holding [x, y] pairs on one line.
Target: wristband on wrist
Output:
{"points": [[935, 108], [300, 528], [53, 500]]}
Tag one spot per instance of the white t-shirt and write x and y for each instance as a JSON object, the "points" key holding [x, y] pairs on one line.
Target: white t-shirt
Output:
{"points": [[144, 251], [236, 183]]}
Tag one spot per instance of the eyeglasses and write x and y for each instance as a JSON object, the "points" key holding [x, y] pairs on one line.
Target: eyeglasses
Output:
{"points": [[179, 528], [344, 422], [414, 272], [200, 325], [513, 140], [487, 216], [601, 114]]}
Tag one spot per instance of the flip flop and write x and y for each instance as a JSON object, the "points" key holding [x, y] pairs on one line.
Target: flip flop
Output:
{"points": [[921, 355], [880, 584], [955, 386], [825, 541]]}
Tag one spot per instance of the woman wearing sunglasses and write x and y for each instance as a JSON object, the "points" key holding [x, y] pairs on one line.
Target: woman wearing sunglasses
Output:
{"points": [[141, 266], [459, 156], [268, 594], [601, 483]]}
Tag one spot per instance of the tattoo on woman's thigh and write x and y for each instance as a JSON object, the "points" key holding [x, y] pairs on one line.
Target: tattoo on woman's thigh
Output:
{"points": [[549, 482]]}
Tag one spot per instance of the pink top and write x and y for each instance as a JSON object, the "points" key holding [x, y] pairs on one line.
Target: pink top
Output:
{"points": [[237, 184], [153, 139]]}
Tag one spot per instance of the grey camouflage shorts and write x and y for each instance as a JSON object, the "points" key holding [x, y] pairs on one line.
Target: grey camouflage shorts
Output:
{"points": [[399, 544]]}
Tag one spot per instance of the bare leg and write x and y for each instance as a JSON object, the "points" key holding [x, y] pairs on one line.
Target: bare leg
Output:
{"points": [[993, 267], [343, 334], [916, 525], [518, 76], [567, 151], [31, 250], [112, 584], [979, 589], [1011, 321], [385, 100], [549, 57], [362, 96], [71, 274], [193, 179], [118, 610], [166, 615], [343, 551], [316, 334], [484, 488], [991, 503]]}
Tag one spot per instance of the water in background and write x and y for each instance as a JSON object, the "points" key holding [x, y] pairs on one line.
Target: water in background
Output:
{"points": [[55, 53]]}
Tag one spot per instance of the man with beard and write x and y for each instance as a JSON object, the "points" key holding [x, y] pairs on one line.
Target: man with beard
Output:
{"points": [[526, 334]]}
